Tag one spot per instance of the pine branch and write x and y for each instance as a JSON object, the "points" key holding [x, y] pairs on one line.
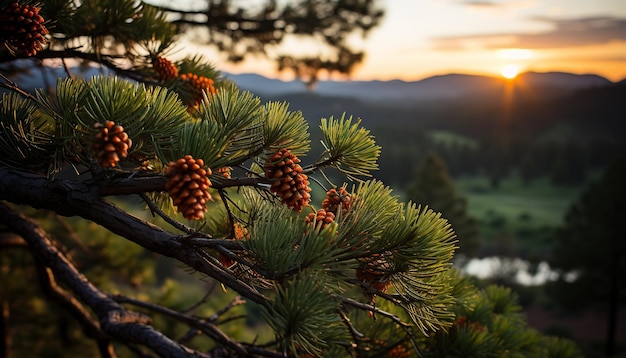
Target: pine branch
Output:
{"points": [[79, 199], [204, 325], [120, 324], [109, 61]]}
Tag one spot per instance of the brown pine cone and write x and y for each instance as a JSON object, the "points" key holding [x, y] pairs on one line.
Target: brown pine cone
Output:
{"points": [[241, 233], [322, 216], [399, 351], [288, 181], [335, 198], [188, 186], [110, 144], [164, 68], [23, 28], [224, 171], [373, 270], [198, 83]]}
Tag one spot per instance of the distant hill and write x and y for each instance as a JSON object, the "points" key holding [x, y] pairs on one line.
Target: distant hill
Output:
{"points": [[448, 86], [538, 103]]}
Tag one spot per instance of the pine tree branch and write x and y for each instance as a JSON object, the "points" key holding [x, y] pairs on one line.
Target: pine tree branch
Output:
{"points": [[117, 322], [127, 183], [65, 299], [103, 59], [69, 198], [205, 325], [75, 308]]}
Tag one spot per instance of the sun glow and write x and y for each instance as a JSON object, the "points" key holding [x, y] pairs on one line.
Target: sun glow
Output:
{"points": [[515, 54], [510, 71]]}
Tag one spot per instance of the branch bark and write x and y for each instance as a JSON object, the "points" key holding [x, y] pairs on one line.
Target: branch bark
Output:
{"points": [[115, 321], [72, 198]]}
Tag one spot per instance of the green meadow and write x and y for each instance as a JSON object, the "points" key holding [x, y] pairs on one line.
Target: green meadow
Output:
{"points": [[515, 218]]}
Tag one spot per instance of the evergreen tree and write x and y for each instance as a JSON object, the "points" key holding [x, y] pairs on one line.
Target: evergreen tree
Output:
{"points": [[107, 175], [433, 186], [592, 246]]}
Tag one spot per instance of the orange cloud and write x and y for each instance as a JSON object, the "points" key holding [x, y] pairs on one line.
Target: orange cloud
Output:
{"points": [[566, 33]]}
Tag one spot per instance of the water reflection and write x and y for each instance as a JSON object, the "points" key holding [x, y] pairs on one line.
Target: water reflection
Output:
{"points": [[513, 269]]}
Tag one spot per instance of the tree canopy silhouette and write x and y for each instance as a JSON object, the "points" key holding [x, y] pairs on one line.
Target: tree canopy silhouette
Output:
{"points": [[592, 246], [433, 186]]}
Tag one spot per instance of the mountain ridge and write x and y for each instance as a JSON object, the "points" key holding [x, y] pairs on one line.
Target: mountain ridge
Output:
{"points": [[445, 86]]}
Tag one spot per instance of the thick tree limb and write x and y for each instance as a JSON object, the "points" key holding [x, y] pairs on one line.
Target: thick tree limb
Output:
{"points": [[71, 198], [117, 322]]}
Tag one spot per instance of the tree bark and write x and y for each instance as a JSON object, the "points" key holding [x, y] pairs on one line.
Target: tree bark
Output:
{"points": [[115, 321]]}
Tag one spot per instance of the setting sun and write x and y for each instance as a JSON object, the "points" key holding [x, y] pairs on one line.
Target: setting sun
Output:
{"points": [[510, 71]]}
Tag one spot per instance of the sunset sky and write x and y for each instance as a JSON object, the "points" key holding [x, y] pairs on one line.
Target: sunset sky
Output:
{"points": [[421, 38]]}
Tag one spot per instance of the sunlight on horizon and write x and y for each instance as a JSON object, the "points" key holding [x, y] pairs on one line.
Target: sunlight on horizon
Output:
{"points": [[510, 71]]}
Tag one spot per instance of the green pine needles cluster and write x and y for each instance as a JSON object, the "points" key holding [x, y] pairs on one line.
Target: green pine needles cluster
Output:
{"points": [[336, 264]]}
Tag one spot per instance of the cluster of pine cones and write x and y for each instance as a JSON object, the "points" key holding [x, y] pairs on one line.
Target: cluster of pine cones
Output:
{"points": [[188, 186], [167, 71], [23, 28], [289, 183], [111, 144]]}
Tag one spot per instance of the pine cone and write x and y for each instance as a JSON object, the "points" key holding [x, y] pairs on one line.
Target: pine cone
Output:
{"points": [[335, 198], [324, 217], [373, 270], [188, 186], [198, 83], [399, 351], [288, 181], [164, 68], [224, 171], [241, 233], [110, 144], [23, 28]]}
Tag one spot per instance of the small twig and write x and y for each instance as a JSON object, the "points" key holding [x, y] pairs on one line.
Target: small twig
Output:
{"points": [[371, 308], [235, 302], [318, 182], [14, 87], [231, 217], [156, 210], [191, 333], [355, 334], [67, 68]]}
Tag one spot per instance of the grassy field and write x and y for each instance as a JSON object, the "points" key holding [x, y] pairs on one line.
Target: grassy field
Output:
{"points": [[515, 218]]}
